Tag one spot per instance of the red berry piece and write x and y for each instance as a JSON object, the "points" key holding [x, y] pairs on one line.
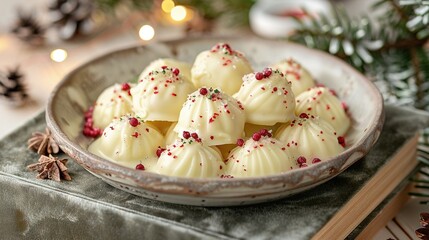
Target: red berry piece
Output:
{"points": [[163, 67], [264, 132], [203, 91], [186, 134], [240, 142], [125, 86], [194, 136], [159, 151], [133, 121], [176, 71], [303, 165], [226, 45], [256, 136], [259, 76], [342, 141], [267, 72], [301, 160], [316, 160], [303, 115], [140, 166]]}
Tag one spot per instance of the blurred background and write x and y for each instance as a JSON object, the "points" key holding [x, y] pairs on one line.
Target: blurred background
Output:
{"points": [[41, 41]]}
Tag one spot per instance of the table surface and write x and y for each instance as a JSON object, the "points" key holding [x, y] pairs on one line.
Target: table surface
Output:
{"points": [[42, 74]]}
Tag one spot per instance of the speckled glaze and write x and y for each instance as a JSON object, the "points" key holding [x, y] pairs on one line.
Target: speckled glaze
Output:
{"points": [[79, 89]]}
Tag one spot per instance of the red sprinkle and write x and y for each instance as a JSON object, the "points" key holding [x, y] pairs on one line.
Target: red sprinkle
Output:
{"points": [[316, 160], [303, 115], [176, 71], [259, 76], [186, 135], [125, 86], [140, 166], [135, 134], [264, 132], [342, 141], [240, 142], [133, 122], [301, 160], [267, 72], [203, 91], [194, 136], [159, 151], [256, 136], [226, 176]]}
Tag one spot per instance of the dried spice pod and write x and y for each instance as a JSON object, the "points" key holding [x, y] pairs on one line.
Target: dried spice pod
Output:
{"points": [[51, 168], [43, 143]]}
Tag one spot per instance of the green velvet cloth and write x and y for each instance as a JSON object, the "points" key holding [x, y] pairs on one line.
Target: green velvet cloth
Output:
{"points": [[87, 208]]}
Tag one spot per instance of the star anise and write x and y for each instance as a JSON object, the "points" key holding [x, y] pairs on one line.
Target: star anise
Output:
{"points": [[43, 143], [423, 233], [51, 168]]}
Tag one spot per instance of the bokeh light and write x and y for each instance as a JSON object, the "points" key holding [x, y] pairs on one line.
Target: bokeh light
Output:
{"points": [[59, 55], [146, 32], [167, 5], [178, 13]]}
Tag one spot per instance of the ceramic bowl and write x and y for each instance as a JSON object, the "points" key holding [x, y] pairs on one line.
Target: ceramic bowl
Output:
{"points": [[79, 90]]}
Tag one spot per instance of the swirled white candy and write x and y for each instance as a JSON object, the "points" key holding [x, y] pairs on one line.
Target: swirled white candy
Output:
{"points": [[216, 117], [112, 103], [267, 101], [295, 73], [322, 102], [170, 135], [311, 138], [221, 68], [191, 160], [267, 156], [127, 145], [184, 67], [159, 96]]}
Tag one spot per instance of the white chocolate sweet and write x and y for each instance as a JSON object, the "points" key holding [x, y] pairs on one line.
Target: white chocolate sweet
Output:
{"points": [[296, 74], [256, 158], [128, 141], [190, 158], [215, 116], [267, 98], [170, 135], [159, 96], [184, 67], [114, 102], [310, 137], [221, 67], [322, 102]]}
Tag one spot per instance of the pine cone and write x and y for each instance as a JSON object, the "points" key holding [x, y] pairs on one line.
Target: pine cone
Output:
{"points": [[28, 29], [72, 17], [12, 87]]}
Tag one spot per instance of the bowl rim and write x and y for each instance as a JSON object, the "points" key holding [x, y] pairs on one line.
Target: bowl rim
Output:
{"points": [[147, 177]]}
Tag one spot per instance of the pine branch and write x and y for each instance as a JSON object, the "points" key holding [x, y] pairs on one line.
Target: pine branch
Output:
{"points": [[392, 55]]}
